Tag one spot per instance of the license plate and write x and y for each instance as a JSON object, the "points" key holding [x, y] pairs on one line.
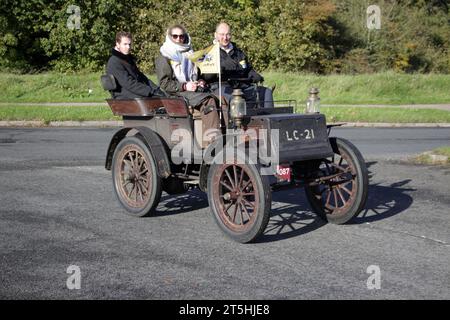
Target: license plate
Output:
{"points": [[284, 172]]}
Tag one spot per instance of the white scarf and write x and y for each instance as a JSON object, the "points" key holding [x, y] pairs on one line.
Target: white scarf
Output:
{"points": [[178, 53]]}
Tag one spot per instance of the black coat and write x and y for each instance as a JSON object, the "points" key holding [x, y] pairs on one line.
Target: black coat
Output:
{"points": [[131, 82]]}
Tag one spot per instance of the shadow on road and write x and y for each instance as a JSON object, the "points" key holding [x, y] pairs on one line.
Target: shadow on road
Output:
{"points": [[176, 204], [295, 217], [291, 216], [385, 201]]}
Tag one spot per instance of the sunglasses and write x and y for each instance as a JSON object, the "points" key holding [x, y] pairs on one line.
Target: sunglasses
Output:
{"points": [[176, 36]]}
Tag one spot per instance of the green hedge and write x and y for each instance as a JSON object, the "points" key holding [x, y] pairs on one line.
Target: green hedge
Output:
{"points": [[321, 36]]}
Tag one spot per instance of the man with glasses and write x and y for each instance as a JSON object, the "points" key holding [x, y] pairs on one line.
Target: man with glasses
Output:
{"points": [[131, 82], [234, 64]]}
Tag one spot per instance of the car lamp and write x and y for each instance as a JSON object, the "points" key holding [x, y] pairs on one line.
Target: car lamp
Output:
{"points": [[238, 107], [313, 102]]}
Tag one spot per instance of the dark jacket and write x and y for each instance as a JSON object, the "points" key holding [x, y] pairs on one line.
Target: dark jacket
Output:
{"points": [[166, 77], [235, 64], [170, 84], [131, 83]]}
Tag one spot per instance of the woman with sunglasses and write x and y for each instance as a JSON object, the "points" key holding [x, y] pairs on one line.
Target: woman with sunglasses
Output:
{"points": [[177, 75]]}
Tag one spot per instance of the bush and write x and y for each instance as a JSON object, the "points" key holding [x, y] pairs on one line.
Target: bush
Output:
{"points": [[321, 36], [35, 33], [414, 36]]}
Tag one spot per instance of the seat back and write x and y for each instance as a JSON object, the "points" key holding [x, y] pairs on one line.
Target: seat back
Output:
{"points": [[108, 82], [174, 107], [146, 106]]}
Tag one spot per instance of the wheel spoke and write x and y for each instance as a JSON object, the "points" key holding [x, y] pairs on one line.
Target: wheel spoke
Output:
{"points": [[139, 188], [336, 203], [249, 203], [130, 155], [229, 178], [241, 178], [327, 202], [345, 189], [241, 214], [340, 195], [246, 184], [126, 183], [128, 163], [141, 163], [136, 160], [144, 180], [246, 211], [131, 191], [226, 185], [236, 182], [235, 211], [143, 187], [228, 208]]}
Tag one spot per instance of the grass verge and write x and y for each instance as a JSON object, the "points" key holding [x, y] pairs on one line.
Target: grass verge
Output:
{"points": [[47, 114], [439, 156], [385, 115], [444, 151], [382, 88]]}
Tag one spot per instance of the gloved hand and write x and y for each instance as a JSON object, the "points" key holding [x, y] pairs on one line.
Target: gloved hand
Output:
{"points": [[256, 77], [202, 86]]}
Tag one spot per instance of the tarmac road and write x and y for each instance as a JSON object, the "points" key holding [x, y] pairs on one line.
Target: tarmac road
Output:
{"points": [[57, 209]]}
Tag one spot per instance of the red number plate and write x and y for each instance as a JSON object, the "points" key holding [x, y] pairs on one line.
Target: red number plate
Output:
{"points": [[284, 172]]}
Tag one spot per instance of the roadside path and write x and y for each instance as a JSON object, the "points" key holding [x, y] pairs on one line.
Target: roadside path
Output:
{"points": [[103, 103], [120, 123], [111, 124], [410, 106]]}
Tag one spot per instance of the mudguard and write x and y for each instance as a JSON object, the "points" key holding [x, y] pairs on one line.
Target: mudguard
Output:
{"points": [[153, 141]]}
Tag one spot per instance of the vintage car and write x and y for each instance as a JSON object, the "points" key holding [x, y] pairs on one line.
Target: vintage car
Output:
{"points": [[261, 150]]}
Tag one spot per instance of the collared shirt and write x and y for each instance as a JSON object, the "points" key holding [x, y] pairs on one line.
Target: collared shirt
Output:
{"points": [[228, 48]]}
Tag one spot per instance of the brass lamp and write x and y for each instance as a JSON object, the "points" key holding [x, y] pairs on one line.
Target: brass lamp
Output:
{"points": [[313, 102], [238, 107]]}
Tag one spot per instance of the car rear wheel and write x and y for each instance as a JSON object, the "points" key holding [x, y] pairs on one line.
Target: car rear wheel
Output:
{"points": [[136, 182]]}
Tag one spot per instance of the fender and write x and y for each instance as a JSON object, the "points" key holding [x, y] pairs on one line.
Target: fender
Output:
{"points": [[154, 142]]}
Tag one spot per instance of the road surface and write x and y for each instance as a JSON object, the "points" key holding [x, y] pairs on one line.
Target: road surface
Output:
{"points": [[58, 216]]}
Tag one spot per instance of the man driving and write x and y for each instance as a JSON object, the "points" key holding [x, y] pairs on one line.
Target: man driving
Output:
{"points": [[235, 64]]}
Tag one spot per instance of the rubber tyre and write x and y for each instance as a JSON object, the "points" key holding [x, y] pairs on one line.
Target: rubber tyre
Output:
{"points": [[318, 198], [135, 180], [248, 229]]}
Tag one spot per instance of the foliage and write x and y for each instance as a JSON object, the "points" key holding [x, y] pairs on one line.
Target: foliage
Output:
{"points": [[320, 36], [35, 34], [414, 37]]}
